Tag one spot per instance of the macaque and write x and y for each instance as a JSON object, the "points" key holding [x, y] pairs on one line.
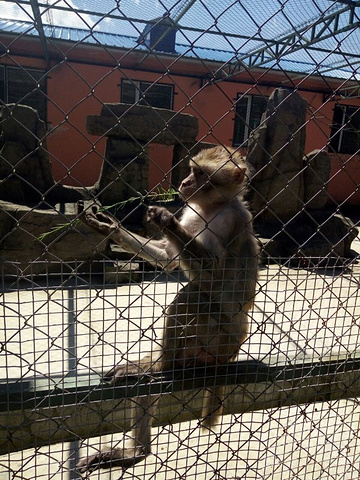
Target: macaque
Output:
{"points": [[214, 244]]}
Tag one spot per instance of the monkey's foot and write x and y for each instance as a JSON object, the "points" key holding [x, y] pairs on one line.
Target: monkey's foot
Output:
{"points": [[117, 457], [119, 372]]}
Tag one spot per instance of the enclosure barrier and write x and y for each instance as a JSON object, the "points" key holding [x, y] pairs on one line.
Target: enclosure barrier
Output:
{"points": [[105, 104]]}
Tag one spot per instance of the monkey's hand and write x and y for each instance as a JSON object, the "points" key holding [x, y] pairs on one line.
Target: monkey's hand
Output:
{"points": [[161, 217], [96, 219]]}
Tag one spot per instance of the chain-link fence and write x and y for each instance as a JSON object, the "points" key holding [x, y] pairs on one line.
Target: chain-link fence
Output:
{"points": [[110, 103]]}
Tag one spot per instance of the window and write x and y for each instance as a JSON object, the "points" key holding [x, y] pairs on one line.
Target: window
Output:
{"points": [[24, 86], [249, 109], [345, 132], [147, 93]]}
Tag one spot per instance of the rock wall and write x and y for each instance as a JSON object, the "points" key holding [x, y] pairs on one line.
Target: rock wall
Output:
{"points": [[21, 228], [276, 153], [31, 203], [129, 130], [288, 188], [25, 169]]}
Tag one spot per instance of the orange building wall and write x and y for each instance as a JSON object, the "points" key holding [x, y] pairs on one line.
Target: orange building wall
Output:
{"points": [[344, 183], [76, 91]]}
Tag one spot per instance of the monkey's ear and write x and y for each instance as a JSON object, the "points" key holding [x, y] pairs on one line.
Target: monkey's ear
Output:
{"points": [[239, 175]]}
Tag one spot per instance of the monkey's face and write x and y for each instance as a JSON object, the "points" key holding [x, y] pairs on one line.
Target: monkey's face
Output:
{"points": [[195, 184], [205, 185]]}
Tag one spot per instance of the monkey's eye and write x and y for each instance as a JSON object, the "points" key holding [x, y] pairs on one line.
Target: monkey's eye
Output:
{"points": [[201, 174]]}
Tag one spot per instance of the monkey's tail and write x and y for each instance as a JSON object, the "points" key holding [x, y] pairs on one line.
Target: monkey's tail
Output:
{"points": [[212, 405]]}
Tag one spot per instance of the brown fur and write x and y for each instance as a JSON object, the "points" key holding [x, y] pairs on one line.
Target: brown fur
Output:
{"points": [[207, 322]]}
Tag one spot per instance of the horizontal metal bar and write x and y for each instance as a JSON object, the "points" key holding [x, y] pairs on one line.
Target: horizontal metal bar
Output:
{"points": [[301, 38], [42, 412], [52, 392]]}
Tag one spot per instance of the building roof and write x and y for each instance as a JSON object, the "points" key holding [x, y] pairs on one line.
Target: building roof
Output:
{"points": [[319, 37]]}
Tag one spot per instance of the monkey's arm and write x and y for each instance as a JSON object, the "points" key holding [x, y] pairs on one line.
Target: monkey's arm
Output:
{"points": [[189, 247], [223, 279], [153, 251]]}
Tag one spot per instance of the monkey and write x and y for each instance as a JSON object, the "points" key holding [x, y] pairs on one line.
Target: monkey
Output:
{"points": [[214, 244]]}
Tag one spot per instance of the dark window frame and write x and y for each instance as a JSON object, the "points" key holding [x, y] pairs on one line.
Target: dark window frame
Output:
{"points": [[345, 129], [141, 88], [246, 120], [22, 92]]}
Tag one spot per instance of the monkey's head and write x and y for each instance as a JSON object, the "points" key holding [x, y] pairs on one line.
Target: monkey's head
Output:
{"points": [[217, 175]]}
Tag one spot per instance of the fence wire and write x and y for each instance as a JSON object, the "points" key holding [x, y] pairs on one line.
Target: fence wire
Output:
{"points": [[105, 102]]}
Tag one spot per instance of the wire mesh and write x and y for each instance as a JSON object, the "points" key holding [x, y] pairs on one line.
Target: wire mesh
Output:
{"points": [[106, 102]]}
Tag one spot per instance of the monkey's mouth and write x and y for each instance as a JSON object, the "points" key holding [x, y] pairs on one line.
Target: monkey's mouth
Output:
{"points": [[186, 194], [191, 193]]}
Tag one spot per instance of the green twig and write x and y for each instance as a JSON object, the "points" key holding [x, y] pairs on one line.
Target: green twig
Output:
{"points": [[160, 194], [59, 228]]}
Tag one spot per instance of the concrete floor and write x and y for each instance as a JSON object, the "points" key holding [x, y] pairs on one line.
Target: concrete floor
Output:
{"points": [[299, 315]]}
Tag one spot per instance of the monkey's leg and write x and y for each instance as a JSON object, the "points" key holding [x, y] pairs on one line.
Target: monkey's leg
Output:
{"points": [[142, 414], [212, 405]]}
